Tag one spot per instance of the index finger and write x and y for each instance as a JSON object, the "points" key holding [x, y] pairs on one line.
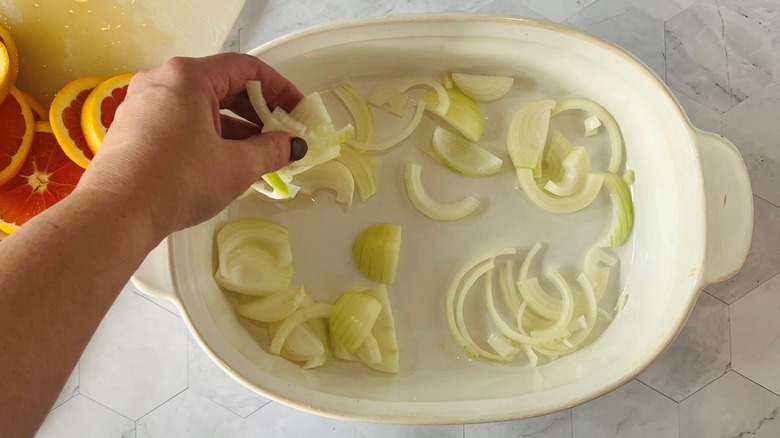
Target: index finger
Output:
{"points": [[228, 74]]}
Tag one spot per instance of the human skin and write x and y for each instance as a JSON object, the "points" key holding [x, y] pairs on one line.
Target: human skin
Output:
{"points": [[169, 161]]}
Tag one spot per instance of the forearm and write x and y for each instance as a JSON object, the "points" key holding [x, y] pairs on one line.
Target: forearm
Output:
{"points": [[59, 274]]}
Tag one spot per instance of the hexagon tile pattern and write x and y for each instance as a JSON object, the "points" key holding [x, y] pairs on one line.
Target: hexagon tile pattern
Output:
{"points": [[763, 260], [138, 345], [699, 355], [732, 406], [720, 52], [755, 332], [81, 417]]}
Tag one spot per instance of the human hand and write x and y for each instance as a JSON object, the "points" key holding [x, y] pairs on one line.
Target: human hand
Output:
{"points": [[171, 154]]}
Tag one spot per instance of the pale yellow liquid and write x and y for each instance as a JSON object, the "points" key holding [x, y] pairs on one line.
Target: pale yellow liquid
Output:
{"points": [[61, 40]]}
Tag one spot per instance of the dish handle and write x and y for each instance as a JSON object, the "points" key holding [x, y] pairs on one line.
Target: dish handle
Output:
{"points": [[729, 200], [153, 277]]}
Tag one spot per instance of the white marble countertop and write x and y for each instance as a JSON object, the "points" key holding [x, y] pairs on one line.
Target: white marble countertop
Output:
{"points": [[143, 375]]}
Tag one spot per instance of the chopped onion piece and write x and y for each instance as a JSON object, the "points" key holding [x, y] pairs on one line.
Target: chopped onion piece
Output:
{"points": [[427, 206], [364, 168], [527, 134], [629, 177], [592, 125], [316, 362], [390, 96], [401, 136], [517, 336], [552, 163], [368, 352], [446, 80], [312, 113], [384, 332], [622, 211], [483, 88], [464, 115], [557, 204], [358, 108], [442, 105], [533, 359], [464, 156], [302, 345], [330, 175], [576, 167], [275, 307], [538, 300], [591, 107], [254, 257], [567, 307], [376, 250], [353, 317], [506, 284], [504, 346], [300, 316]]}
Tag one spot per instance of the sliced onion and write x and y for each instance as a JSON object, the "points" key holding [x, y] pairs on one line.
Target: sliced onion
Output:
{"points": [[483, 88], [331, 175], [464, 156], [560, 204], [376, 250], [353, 317], [592, 125], [358, 108], [390, 96], [369, 352], [464, 115], [506, 284], [427, 206], [301, 345], [576, 167], [401, 136], [622, 211], [312, 113], [446, 80], [591, 107], [453, 293], [300, 316], [363, 168], [384, 333], [527, 134], [504, 346], [567, 307], [275, 307], [442, 105]]}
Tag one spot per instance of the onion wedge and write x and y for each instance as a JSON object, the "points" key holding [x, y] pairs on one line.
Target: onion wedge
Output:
{"points": [[483, 88], [401, 136], [527, 134], [463, 114], [560, 204], [463, 156], [622, 211], [591, 107]]}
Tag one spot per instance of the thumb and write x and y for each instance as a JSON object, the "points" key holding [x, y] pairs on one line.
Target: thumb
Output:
{"points": [[271, 151]]}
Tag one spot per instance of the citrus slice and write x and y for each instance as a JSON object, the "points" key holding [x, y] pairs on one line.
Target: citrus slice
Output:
{"points": [[16, 133], [100, 107], [65, 116], [9, 62], [40, 113], [46, 177]]}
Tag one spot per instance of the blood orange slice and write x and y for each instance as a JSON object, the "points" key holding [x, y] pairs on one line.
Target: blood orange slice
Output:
{"points": [[17, 127], [9, 62], [40, 113], [46, 177], [100, 107], [65, 115]]}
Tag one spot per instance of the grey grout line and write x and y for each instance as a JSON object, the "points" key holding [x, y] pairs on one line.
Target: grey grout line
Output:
{"points": [[755, 287], [147, 298], [158, 406], [757, 195], [673, 400], [756, 383], [713, 296], [107, 407]]}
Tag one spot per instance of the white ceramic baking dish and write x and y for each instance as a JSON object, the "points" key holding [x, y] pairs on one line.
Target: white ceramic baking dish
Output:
{"points": [[693, 207]]}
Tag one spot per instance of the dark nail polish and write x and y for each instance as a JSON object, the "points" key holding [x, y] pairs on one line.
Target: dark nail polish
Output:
{"points": [[298, 148]]}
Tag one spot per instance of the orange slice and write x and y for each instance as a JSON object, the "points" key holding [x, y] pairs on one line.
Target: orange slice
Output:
{"points": [[9, 62], [17, 127], [65, 115], [40, 113], [46, 177], [100, 107]]}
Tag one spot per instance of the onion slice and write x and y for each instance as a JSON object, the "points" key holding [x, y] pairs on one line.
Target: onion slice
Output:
{"points": [[375, 252], [358, 108], [330, 175], [427, 206], [464, 115], [591, 107], [463, 156], [481, 87], [390, 96], [300, 316], [527, 134], [363, 168], [560, 204], [401, 136], [622, 211]]}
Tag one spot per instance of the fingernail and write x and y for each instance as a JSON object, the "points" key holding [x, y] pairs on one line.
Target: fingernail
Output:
{"points": [[298, 148]]}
